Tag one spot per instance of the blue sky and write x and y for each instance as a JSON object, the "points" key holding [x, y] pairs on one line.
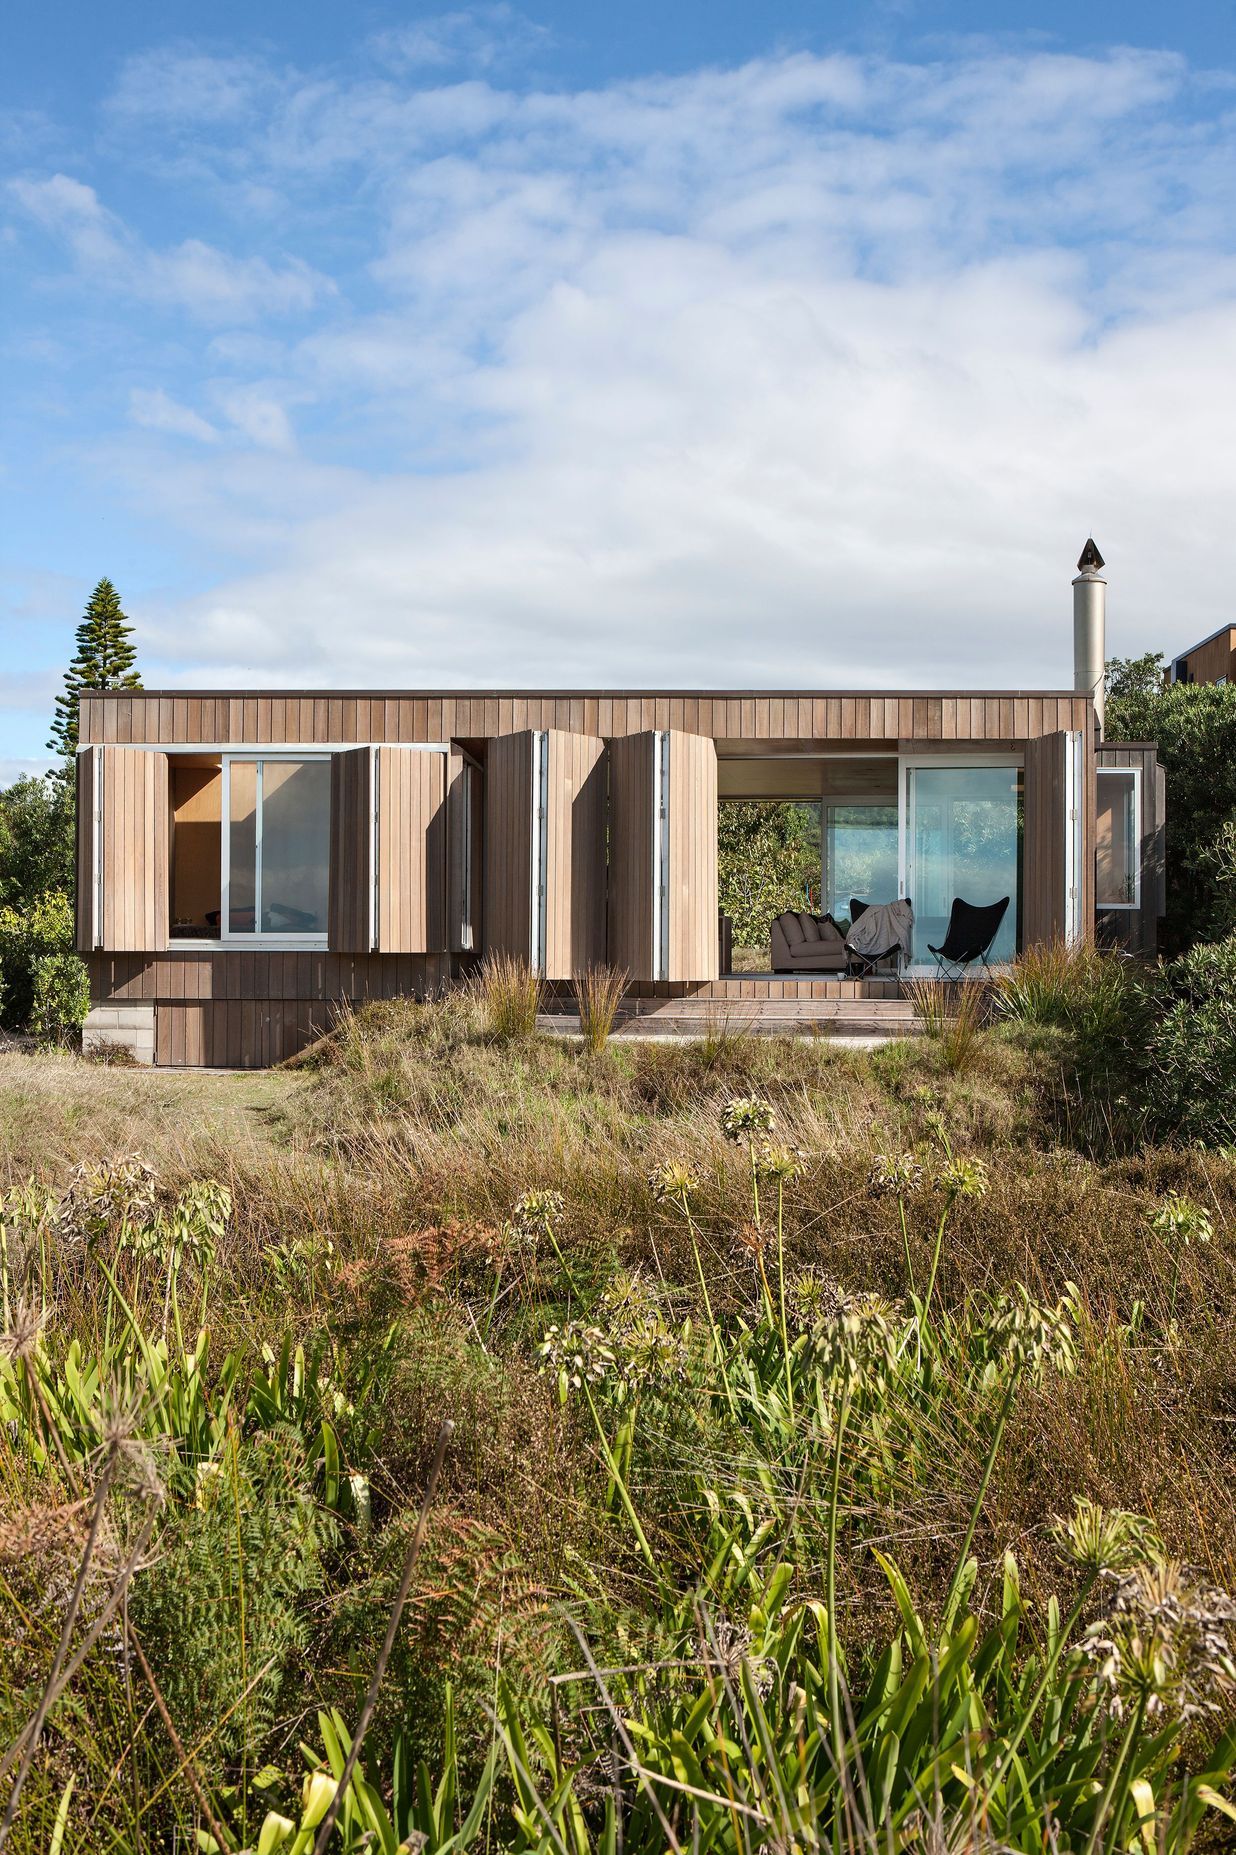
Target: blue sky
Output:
{"points": [[793, 344]]}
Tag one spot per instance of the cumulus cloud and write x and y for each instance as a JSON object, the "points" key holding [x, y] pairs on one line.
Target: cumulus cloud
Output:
{"points": [[159, 412], [210, 284], [814, 371]]}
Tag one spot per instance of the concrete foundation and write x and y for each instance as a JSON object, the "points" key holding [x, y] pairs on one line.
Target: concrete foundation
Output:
{"points": [[129, 1027]]}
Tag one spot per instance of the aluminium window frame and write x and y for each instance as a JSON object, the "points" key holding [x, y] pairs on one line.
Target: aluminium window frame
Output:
{"points": [[1134, 906], [311, 941]]}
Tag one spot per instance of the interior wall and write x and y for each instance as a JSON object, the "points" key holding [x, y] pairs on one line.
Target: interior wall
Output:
{"points": [[197, 814]]}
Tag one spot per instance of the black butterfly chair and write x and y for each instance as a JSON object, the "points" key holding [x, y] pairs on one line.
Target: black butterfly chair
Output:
{"points": [[863, 965], [971, 930]]}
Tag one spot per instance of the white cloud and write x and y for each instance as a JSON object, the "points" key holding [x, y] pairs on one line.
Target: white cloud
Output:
{"points": [[159, 412], [813, 371], [210, 284]]}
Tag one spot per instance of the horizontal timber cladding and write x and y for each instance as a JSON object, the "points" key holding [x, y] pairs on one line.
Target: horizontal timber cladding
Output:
{"points": [[202, 974], [791, 716]]}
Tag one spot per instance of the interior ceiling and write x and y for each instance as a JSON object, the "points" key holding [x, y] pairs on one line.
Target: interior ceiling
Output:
{"points": [[831, 776]]}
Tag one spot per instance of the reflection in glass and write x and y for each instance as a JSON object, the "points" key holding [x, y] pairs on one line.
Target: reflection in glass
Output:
{"points": [[965, 841], [242, 847], [278, 846], [295, 845], [862, 856], [1116, 838]]}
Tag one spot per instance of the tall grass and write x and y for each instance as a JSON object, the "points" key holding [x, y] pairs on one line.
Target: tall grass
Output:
{"points": [[1071, 985], [510, 992], [599, 992], [952, 1013]]}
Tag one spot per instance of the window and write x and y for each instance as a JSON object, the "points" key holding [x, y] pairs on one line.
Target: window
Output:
{"points": [[963, 839], [861, 856], [276, 847], [1117, 834]]}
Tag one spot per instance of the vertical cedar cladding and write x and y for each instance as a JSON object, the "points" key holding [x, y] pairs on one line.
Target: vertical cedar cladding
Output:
{"points": [[1046, 912], [388, 873], [545, 800], [123, 836], [663, 856]]}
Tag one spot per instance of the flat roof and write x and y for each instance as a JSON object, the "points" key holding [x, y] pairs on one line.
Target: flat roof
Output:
{"points": [[511, 693]]}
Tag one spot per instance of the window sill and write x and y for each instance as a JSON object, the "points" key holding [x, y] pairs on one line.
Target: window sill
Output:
{"points": [[255, 943]]}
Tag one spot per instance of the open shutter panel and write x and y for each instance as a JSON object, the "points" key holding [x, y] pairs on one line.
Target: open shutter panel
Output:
{"points": [[129, 860], [387, 851], [691, 866], [545, 849], [1057, 872], [349, 914], [509, 822], [465, 839], [663, 856], [410, 841], [89, 868], [575, 807], [634, 855]]}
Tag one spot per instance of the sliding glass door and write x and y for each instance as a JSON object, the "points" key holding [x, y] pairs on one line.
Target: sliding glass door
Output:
{"points": [[961, 836]]}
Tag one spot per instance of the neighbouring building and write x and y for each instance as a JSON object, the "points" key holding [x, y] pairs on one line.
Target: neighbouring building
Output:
{"points": [[1211, 661], [251, 861]]}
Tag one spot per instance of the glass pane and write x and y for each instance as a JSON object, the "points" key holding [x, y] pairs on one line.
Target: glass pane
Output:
{"points": [[1116, 839], [242, 847], [862, 856], [966, 839], [295, 845]]}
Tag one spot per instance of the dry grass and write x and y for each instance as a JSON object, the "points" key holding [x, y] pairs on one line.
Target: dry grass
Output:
{"points": [[598, 993]]}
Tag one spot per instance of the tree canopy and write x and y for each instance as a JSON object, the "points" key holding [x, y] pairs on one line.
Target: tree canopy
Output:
{"points": [[105, 658], [1195, 727]]}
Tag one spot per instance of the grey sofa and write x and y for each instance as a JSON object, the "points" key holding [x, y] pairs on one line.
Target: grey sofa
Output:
{"points": [[803, 943]]}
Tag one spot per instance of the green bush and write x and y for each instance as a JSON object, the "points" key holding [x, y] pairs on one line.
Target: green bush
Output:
{"points": [[1189, 1080], [28, 935], [61, 999]]}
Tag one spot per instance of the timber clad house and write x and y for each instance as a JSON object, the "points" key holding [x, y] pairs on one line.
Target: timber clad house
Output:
{"points": [[251, 863]]}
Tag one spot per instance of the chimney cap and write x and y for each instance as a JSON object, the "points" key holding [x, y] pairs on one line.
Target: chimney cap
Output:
{"points": [[1091, 560]]}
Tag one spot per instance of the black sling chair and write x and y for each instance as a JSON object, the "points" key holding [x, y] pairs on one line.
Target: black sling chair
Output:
{"points": [[971, 931]]}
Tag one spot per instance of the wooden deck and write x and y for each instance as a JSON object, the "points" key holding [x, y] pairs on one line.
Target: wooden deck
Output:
{"points": [[760, 1003]]}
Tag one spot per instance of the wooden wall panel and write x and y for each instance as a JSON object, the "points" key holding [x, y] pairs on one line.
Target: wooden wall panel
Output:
{"points": [[87, 874], [575, 932], [692, 825], [1043, 899], [307, 717], [508, 846], [135, 829], [632, 796], [349, 917], [411, 846]]}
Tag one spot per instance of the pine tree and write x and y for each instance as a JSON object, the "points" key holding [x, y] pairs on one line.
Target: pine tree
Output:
{"points": [[105, 659]]}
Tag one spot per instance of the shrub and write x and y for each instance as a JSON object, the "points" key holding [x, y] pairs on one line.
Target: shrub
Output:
{"points": [[27, 935], [1072, 987], [598, 992], [510, 992], [61, 999], [1189, 1082]]}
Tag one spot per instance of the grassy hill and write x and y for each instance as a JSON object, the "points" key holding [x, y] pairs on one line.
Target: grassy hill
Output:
{"points": [[737, 1338]]}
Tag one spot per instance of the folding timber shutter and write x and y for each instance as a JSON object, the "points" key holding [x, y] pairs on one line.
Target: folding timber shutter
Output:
{"points": [[545, 849], [127, 903], [387, 851], [663, 856], [350, 910], [1059, 802], [89, 869]]}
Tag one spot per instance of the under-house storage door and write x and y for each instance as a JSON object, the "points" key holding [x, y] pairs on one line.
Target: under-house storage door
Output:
{"points": [[663, 856], [545, 849], [124, 833], [388, 871], [1058, 883]]}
